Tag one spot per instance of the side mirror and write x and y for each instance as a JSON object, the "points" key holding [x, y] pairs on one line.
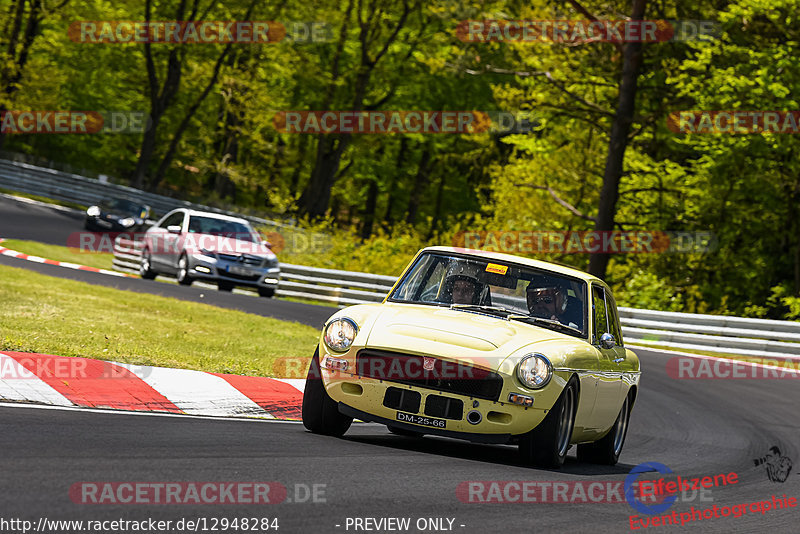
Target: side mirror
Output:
{"points": [[266, 243], [174, 229], [607, 341]]}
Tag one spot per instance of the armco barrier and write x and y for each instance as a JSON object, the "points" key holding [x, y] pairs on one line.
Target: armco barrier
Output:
{"points": [[64, 186], [711, 333]]}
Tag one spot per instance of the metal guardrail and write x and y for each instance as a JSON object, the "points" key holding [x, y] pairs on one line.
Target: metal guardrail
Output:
{"points": [[711, 333], [64, 186]]}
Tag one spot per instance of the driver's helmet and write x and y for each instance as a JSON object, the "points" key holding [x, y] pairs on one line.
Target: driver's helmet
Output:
{"points": [[461, 270]]}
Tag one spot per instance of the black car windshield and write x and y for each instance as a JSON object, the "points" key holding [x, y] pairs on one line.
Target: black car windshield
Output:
{"points": [[509, 290], [124, 207], [221, 227]]}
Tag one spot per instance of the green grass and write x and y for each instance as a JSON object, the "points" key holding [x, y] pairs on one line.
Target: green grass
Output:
{"points": [[67, 318], [47, 200], [101, 260]]}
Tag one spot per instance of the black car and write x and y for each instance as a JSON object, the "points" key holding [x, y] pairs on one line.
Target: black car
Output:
{"points": [[116, 215]]}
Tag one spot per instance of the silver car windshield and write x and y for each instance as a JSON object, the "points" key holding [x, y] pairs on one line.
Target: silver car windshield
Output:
{"points": [[221, 227], [513, 291]]}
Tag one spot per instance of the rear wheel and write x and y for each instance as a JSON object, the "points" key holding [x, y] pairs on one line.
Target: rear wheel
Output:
{"points": [[145, 267], [320, 412], [183, 271], [606, 451], [547, 444]]}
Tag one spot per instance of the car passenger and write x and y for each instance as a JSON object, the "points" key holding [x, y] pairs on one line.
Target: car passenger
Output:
{"points": [[554, 303]]}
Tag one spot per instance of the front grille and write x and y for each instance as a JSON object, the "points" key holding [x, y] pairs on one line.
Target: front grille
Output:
{"points": [[404, 400], [444, 407], [446, 376], [243, 259]]}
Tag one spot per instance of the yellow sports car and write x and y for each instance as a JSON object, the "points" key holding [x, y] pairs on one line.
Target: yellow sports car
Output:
{"points": [[487, 347]]}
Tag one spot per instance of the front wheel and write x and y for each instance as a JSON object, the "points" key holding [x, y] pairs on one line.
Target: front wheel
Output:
{"points": [[320, 412], [267, 292], [145, 266], [547, 444], [606, 451], [225, 286], [183, 271]]}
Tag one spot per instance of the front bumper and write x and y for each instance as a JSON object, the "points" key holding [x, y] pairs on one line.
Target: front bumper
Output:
{"points": [[216, 269], [500, 420], [469, 436]]}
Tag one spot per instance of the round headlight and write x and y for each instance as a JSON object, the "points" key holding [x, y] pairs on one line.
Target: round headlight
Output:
{"points": [[93, 211], [340, 333], [128, 222], [534, 371]]}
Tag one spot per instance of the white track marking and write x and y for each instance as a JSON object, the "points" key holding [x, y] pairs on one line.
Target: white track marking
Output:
{"points": [[17, 383], [196, 392], [297, 383]]}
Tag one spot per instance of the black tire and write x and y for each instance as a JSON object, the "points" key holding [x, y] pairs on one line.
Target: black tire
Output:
{"points": [[606, 450], [320, 412], [146, 267], [403, 432], [547, 444], [183, 271], [267, 292], [225, 286]]}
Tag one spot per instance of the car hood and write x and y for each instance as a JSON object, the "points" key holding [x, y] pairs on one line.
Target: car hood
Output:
{"points": [[478, 339]]}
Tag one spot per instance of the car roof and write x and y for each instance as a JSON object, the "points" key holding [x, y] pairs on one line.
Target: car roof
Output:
{"points": [[499, 256], [213, 215]]}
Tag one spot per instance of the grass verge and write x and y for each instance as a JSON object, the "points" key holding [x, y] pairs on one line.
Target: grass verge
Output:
{"points": [[67, 318], [101, 260]]}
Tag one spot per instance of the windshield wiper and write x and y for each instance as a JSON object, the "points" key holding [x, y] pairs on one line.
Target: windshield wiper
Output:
{"points": [[478, 307], [548, 323]]}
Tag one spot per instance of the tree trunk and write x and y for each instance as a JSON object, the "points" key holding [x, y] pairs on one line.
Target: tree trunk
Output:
{"points": [[420, 183], [620, 128], [369, 210]]}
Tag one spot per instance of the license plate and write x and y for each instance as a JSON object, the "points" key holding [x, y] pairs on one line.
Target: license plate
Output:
{"points": [[421, 420], [241, 271]]}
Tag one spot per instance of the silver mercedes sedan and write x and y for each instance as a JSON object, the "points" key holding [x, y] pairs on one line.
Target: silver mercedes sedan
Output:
{"points": [[194, 245]]}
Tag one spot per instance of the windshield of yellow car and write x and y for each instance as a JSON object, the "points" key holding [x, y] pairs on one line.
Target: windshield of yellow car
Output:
{"points": [[511, 290]]}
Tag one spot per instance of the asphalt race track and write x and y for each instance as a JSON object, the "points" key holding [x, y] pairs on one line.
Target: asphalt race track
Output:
{"points": [[695, 427]]}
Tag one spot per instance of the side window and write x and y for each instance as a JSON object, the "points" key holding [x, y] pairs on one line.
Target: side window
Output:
{"points": [[613, 317], [600, 314], [176, 219]]}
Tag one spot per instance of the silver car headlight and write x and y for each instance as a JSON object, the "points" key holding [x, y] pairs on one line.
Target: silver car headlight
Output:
{"points": [[534, 371], [128, 222], [93, 211], [340, 333]]}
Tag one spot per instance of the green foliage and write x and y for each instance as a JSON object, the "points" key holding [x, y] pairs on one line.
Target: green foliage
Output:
{"points": [[745, 189]]}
